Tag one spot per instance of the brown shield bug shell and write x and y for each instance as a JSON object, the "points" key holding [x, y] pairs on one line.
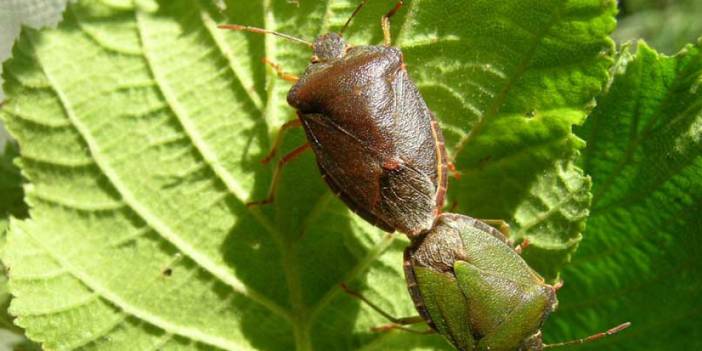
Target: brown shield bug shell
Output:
{"points": [[377, 144]]}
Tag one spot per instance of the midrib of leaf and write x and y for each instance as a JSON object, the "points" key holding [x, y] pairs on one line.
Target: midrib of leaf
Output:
{"points": [[631, 147], [298, 315], [635, 139], [303, 317], [157, 225], [520, 153], [523, 228], [208, 155], [494, 108]]}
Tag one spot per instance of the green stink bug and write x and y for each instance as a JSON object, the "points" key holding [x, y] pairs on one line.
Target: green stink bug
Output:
{"points": [[471, 286]]}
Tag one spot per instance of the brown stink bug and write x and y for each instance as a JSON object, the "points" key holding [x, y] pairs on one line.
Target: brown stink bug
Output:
{"points": [[377, 144]]}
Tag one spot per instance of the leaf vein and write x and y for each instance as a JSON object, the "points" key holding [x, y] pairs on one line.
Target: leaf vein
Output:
{"points": [[117, 301], [150, 218], [493, 109]]}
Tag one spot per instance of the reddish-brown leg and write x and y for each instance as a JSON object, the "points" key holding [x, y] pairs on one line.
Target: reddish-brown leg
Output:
{"points": [[499, 224], [558, 285], [523, 245], [452, 168], [504, 228], [397, 323], [280, 72], [277, 173], [385, 23], [392, 326], [591, 338], [279, 138]]}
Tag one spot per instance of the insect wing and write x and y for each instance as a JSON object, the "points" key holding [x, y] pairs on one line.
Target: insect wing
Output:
{"points": [[446, 305], [503, 311], [408, 196], [487, 250], [352, 174]]}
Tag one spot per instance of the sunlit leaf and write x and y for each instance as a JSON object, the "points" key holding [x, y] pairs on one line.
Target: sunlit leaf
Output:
{"points": [[142, 127]]}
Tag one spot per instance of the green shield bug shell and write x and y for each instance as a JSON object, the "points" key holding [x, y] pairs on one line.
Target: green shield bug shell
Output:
{"points": [[377, 144], [473, 288]]}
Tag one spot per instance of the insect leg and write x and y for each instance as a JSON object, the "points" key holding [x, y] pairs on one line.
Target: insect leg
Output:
{"points": [[277, 173], [355, 12], [523, 245], [385, 22], [395, 321], [279, 138], [499, 224], [239, 27], [280, 72], [591, 338], [452, 168], [504, 228], [392, 326]]}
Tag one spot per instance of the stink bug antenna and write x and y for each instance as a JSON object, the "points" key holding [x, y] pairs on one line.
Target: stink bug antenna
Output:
{"points": [[263, 31], [355, 12], [590, 338]]}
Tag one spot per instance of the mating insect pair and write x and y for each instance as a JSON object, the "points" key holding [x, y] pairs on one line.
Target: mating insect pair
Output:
{"points": [[379, 148]]}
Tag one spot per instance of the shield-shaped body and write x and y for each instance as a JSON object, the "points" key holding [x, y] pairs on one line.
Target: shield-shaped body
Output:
{"points": [[473, 288], [377, 144]]}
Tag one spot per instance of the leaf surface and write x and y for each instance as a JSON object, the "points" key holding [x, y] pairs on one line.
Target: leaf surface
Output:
{"points": [[640, 259], [11, 204], [142, 127]]}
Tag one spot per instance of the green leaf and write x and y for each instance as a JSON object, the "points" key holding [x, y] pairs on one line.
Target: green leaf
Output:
{"points": [[522, 75], [142, 127], [5, 318], [640, 259], [11, 204]]}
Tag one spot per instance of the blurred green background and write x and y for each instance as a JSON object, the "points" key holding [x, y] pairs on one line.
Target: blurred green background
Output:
{"points": [[667, 25]]}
